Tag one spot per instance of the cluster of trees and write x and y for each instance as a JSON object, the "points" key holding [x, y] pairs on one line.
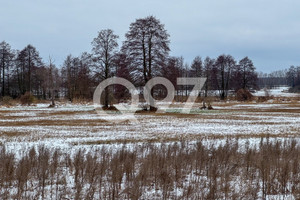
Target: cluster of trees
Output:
{"points": [[272, 79], [24, 71], [287, 77], [143, 55], [293, 76], [223, 73]]}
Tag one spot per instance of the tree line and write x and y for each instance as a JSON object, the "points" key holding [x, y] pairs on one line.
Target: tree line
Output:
{"points": [[287, 77], [143, 55]]}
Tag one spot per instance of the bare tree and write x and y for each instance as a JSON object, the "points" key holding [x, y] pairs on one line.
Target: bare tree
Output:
{"points": [[173, 70], [51, 81], [6, 62], [77, 77], [123, 70], [28, 59], [224, 66], [249, 76], [208, 65], [197, 67], [105, 48], [147, 44], [291, 76], [68, 77]]}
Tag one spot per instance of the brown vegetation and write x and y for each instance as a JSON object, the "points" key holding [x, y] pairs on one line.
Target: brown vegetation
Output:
{"points": [[243, 95], [181, 170], [27, 99], [7, 101]]}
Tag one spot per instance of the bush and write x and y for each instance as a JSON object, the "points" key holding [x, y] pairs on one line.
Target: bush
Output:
{"points": [[110, 108], [262, 99], [27, 99], [80, 101], [243, 95], [7, 101], [295, 89]]}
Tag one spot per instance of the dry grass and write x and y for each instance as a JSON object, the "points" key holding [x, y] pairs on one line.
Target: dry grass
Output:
{"points": [[180, 170], [160, 162], [162, 138], [12, 133], [100, 131], [53, 113], [54, 122]]}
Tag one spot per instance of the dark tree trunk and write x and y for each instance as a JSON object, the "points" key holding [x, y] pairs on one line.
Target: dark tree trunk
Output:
{"points": [[3, 76], [29, 72]]}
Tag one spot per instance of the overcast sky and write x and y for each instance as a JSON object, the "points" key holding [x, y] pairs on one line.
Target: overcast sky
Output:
{"points": [[266, 31]]}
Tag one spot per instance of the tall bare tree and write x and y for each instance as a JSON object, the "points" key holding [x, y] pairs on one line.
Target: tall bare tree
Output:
{"points": [[207, 70], [249, 76], [51, 81], [197, 67], [123, 70], [77, 77], [173, 70], [147, 44], [28, 59], [105, 48], [6, 62], [68, 76], [224, 66], [291, 76]]}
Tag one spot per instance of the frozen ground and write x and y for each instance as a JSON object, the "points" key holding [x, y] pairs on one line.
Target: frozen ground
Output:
{"points": [[80, 124], [68, 125], [277, 92]]}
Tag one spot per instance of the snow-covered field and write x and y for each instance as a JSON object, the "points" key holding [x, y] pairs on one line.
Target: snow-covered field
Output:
{"points": [[69, 124], [277, 92], [77, 123], [70, 127]]}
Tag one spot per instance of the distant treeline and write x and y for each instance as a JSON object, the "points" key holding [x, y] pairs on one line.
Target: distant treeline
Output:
{"points": [[143, 55], [289, 77]]}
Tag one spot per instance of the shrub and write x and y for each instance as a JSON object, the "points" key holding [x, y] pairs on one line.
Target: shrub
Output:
{"points": [[295, 89], [243, 95], [7, 101], [80, 101], [262, 99], [110, 108], [27, 99]]}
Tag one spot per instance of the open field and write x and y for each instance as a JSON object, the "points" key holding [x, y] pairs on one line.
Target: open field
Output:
{"points": [[69, 125], [40, 122], [237, 150], [180, 170]]}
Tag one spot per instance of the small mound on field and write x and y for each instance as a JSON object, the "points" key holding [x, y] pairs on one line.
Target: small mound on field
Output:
{"points": [[262, 99], [147, 110], [243, 95], [110, 108], [7, 101], [27, 99]]}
